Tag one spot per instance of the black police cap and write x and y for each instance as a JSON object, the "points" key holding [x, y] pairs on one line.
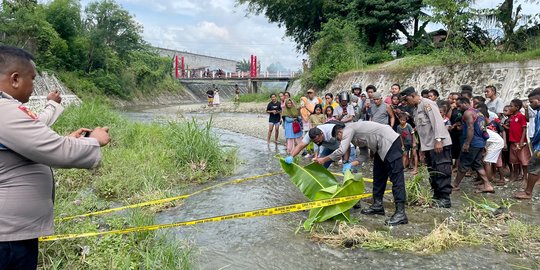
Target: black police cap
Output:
{"points": [[407, 92]]}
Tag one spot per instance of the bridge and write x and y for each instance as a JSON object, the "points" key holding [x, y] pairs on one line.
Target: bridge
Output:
{"points": [[252, 81]]}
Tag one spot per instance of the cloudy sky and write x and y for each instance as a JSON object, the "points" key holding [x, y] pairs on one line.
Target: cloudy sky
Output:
{"points": [[220, 28], [213, 27]]}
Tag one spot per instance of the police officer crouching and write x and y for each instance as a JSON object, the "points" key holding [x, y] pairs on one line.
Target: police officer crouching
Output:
{"points": [[385, 143]]}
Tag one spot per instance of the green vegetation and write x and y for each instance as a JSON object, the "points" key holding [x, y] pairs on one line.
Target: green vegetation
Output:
{"points": [[418, 188], [143, 162], [351, 35], [96, 52], [317, 183]]}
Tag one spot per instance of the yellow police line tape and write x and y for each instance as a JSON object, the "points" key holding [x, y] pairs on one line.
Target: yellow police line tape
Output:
{"points": [[248, 214], [166, 200]]}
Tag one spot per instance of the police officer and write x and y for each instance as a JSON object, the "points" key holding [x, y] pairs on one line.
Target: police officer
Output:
{"points": [[435, 145], [385, 143], [27, 148]]}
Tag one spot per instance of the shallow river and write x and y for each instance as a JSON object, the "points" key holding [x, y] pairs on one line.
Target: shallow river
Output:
{"points": [[273, 242]]}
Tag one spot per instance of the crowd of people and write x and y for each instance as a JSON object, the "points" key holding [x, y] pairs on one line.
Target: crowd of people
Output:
{"points": [[461, 135]]}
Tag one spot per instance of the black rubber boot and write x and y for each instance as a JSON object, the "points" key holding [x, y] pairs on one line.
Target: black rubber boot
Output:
{"points": [[444, 202], [376, 208], [399, 216]]}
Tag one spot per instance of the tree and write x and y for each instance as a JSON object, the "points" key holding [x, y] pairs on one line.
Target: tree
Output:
{"points": [[507, 18], [243, 66], [275, 68], [112, 32], [454, 15], [302, 19]]}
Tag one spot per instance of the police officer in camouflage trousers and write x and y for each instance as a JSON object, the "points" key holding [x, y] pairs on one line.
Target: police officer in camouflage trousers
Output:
{"points": [[28, 148], [435, 145]]}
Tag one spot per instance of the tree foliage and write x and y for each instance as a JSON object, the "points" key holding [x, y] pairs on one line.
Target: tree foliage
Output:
{"points": [[102, 44], [381, 26]]}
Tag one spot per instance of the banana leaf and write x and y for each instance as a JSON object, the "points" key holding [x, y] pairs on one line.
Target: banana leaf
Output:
{"points": [[317, 183], [310, 179], [352, 185]]}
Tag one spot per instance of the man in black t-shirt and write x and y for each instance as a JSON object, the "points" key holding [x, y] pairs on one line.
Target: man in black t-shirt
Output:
{"points": [[274, 119]]}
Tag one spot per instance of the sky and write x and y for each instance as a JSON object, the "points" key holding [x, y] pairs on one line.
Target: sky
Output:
{"points": [[213, 27], [223, 29]]}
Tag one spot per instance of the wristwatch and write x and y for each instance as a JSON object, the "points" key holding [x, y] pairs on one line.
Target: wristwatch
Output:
{"points": [[438, 139]]}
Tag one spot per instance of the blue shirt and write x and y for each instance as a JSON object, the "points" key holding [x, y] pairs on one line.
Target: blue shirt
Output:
{"points": [[536, 138]]}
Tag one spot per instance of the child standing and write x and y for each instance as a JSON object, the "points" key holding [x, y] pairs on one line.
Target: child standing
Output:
{"points": [[316, 119], [408, 143], [274, 110], [520, 153], [329, 113]]}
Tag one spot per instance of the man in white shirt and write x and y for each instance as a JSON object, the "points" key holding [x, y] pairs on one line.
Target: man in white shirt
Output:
{"points": [[494, 103]]}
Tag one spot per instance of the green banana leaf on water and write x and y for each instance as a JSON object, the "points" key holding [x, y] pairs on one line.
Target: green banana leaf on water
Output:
{"points": [[317, 183]]}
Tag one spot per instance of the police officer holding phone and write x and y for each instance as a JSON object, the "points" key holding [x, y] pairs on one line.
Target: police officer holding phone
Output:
{"points": [[28, 148]]}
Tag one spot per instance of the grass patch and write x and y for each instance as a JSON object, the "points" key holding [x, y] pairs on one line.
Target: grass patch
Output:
{"points": [[446, 57], [143, 162], [418, 188], [441, 238]]}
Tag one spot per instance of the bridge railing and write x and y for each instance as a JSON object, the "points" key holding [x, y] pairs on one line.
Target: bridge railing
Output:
{"points": [[190, 74]]}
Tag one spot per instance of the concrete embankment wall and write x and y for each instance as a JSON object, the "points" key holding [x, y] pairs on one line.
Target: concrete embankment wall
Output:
{"points": [[226, 89], [512, 79], [45, 83]]}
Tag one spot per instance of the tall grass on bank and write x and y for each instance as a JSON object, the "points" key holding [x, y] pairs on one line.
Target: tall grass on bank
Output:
{"points": [[144, 161]]}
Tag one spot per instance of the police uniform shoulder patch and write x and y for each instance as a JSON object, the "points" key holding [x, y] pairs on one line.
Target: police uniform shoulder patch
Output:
{"points": [[28, 112], [427, 107]]}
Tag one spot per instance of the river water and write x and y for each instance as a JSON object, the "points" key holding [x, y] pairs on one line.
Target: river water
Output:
{"points": [[278, 242]]}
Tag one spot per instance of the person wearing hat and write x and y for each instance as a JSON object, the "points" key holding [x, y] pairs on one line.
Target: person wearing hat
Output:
{"points": [[357, 101], [345, 111], [381, 112], [435, 144]]}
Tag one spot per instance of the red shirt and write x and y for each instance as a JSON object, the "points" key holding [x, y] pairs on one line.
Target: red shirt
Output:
{"points": [[517, 122]]}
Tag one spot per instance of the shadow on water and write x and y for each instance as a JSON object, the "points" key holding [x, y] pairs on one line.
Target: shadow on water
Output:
{"points": [[271, 242]]}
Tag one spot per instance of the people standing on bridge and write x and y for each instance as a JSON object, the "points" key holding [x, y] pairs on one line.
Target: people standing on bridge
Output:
{"points": [[274, 117], [292, 124], [210, 95], [385, 143], [435, 145], [216, 100], [28, 148]]}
